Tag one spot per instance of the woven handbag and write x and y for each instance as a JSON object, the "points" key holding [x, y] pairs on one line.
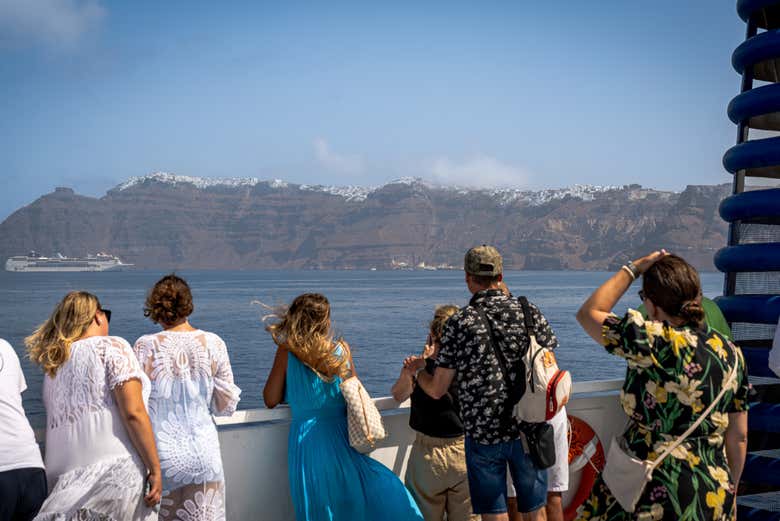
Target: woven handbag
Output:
{"points": [[364, 422]]}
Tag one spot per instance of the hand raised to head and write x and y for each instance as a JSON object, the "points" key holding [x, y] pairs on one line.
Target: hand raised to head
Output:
{"points": [[643, 263]]}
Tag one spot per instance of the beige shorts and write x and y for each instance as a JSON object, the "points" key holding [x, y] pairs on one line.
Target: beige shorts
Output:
{"points": [[436, 478], [558, 474]]}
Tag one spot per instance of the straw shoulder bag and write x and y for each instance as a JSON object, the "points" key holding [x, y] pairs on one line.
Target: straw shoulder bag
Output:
{"points": [[364, 422], [627, 476]]}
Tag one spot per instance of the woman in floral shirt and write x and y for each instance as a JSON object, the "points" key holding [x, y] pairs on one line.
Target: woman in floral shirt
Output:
{"points": [[676, 368]]}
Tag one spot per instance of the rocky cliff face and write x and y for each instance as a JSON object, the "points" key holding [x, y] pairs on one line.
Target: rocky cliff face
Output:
{"points": [[172, 222]]}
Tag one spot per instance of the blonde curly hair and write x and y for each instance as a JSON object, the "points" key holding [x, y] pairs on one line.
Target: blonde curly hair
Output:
{"points": [[304, 329], [49, 345]]}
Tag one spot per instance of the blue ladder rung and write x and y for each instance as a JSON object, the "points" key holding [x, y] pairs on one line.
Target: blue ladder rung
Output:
{"points": [[759, 507], [764, 417], [762, 468], [757, 359]]}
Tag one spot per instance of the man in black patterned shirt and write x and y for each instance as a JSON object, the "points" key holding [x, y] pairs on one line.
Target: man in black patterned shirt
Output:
{"points": [[492, 434]]}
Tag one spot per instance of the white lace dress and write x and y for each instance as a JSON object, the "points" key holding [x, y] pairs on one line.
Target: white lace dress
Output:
{"points": [[94, 472], [191, 379]]}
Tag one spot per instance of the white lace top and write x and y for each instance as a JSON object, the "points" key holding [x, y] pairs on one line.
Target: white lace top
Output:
{"points": [[191, 379], [82, 420], [93, 469]]}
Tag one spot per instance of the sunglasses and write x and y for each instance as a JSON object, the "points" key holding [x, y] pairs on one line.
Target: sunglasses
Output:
{"points": [[107, 313]]}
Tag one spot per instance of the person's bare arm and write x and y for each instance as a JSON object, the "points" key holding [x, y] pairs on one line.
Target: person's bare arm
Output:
{"points": [[403, 387], [436, 385], [273, 392], [352, 370], [597, 308], [136, 421], [736, 444]]}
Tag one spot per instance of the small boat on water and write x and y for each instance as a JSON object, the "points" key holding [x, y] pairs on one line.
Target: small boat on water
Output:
{"points": [[34, 262]]}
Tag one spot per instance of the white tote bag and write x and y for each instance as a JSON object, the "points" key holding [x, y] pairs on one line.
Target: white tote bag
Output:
{"points": [[364, 422], [627, 476]]}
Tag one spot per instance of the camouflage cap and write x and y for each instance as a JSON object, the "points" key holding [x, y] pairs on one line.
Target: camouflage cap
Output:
{"points": [[483, 261]]}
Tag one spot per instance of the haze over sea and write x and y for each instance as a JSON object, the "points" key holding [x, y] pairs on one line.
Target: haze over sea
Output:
{"points": [[382, 314]]}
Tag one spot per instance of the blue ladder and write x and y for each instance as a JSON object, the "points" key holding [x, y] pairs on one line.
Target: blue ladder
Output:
{"points": [[751, 260]]}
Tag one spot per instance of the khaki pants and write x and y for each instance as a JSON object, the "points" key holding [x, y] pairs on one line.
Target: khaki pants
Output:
{"points": [[436, 478]]}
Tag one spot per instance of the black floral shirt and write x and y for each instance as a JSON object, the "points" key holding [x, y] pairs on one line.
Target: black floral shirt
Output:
{"points": [[674, 374], [465, 347]]}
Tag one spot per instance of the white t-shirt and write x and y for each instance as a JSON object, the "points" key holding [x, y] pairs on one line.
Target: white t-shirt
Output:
{"points": [[774, 354], [16, 436]]}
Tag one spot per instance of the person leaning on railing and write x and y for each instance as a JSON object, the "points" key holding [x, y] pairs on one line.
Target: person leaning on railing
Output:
{"points": [[101, 460], [436, 469], [329, 479], [191, 379], [677, 366]]}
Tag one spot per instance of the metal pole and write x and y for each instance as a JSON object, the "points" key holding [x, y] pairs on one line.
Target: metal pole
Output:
{"points": [[738, 184]]}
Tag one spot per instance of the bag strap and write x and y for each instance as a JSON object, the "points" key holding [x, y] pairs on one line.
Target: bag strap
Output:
{"points": [[363, 394], [528, 317], [500, 357], [702, 417], [493, 345]]}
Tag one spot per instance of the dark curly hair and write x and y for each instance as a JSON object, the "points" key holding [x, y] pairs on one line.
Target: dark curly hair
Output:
{"points": [[169, 301]]}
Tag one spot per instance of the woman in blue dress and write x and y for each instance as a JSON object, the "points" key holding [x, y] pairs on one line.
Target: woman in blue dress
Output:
{"points": [[329, 480]]}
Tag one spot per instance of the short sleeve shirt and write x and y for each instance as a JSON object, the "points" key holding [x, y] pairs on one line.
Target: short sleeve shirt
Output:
{"points": [[19, 449], [673, 374], [465, 347]]}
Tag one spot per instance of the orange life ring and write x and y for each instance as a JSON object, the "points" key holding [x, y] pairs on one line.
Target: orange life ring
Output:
{"points": [[586, 453]]}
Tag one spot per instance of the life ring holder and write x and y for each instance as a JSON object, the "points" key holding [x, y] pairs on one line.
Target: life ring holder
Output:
{"points": [[587, 454]]}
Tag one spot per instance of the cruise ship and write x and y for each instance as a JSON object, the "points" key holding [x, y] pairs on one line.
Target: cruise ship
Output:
{"points": [[36, 262]]}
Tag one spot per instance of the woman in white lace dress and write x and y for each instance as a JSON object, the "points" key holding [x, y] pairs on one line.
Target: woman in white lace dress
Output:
{"points": [[100, 453], [191, 379]]}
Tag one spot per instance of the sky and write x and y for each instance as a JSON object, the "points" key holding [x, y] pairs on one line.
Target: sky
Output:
{"points": [[517, 93]]}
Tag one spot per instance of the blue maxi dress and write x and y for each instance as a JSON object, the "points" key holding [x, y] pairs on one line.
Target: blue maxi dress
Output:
{"points": [[329, 480]]}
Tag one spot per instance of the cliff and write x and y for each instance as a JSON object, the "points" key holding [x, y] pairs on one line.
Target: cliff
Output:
{"points": [[176, 222]]}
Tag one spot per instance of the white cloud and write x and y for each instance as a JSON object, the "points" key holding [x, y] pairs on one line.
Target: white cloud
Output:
{"points": [[336, 162], [55, 23], [477, 172]]}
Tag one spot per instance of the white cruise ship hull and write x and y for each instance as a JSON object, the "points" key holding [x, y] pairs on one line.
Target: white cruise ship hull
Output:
{"points": [[56, 265]]}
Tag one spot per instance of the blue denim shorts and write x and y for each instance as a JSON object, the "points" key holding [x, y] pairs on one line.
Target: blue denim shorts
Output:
{"points": [[486, 466]]}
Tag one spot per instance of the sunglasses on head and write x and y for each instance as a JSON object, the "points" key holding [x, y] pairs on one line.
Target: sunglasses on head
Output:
{"points": [[107, 313]]}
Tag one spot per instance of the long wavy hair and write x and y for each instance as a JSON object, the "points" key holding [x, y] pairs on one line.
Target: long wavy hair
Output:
{"points": [[304, 329], [49, 345]]}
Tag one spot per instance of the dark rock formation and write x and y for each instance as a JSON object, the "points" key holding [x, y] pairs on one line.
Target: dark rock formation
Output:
{"points": [[154, 222]]}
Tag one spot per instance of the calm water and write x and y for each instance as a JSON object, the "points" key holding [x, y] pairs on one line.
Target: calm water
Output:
{"points": [[382, 314]]}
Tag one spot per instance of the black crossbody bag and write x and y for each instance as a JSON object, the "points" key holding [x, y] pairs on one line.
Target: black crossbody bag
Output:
{"points": [[540, 436]]}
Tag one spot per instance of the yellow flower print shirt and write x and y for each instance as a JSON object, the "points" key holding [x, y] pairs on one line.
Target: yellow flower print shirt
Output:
{"points": [[673, 374]]}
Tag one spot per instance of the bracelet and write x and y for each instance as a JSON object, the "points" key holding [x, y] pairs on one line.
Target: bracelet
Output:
{"points": [[630, 272]]}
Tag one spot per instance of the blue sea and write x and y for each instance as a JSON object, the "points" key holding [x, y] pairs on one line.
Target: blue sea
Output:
{"points": [[382, 314]]}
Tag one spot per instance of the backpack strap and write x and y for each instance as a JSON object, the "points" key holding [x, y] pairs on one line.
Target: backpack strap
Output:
{"points": [[507, 417], [502, 362], [528, 317], [494, 346]]}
